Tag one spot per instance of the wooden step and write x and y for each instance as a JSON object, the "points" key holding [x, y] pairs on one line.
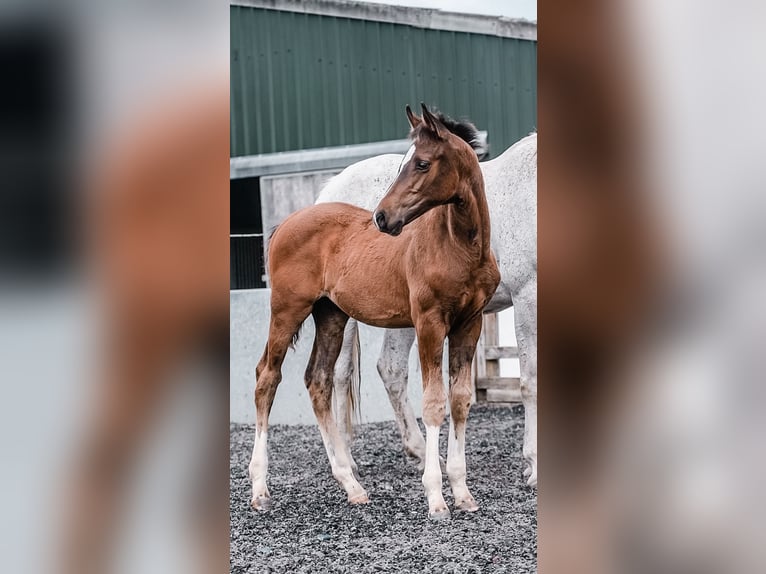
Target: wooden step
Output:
{"points": [[503, 395], [498, 389], [494, 353], [498, 383]]}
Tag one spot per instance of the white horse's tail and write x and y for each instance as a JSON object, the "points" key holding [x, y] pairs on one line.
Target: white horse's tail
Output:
{"points": [[346, 405], [353, 406]]}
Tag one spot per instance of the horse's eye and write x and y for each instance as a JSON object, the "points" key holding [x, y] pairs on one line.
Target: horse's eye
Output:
{"points": [[422, 165]]}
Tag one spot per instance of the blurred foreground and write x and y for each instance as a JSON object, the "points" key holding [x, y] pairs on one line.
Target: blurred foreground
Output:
{"points": [[652, 311], [114, 286]]}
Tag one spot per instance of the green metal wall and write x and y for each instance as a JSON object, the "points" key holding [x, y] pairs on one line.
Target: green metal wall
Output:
{"points": [[302, 81]]}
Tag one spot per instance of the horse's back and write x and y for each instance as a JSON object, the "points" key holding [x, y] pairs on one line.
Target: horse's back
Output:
{"points": [[317, 224], [363, 183], [515, 167], [336, 213]]}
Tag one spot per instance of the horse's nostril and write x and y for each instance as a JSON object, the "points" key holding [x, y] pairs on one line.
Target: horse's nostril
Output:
{"points": [[380, 220]]}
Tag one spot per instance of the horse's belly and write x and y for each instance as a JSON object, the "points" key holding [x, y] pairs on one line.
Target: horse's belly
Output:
{"points": [[373, 308], [500, 301]]}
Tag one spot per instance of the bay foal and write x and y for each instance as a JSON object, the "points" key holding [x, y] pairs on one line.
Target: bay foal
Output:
{"points": [[436, 274]]}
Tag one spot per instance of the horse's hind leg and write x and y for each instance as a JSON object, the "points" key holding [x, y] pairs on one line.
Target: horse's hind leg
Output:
{"points": [[393, 367], [525, 318], [284, 324], [330, 324]]}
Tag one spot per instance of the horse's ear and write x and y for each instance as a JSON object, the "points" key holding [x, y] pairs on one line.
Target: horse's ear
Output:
{"points": [[433, 123], [414, 120]]}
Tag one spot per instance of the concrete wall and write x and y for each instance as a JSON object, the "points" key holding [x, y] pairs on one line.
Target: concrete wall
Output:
{"points": [[248, 331]]}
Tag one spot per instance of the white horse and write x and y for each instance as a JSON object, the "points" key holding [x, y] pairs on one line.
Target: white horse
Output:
{"points": [[511, 189]]}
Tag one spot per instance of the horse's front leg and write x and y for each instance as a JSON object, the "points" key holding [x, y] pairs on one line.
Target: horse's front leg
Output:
{"points": [[462, 346], [431, 332]]}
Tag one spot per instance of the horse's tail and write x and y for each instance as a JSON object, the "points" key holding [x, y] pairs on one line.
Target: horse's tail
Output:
{"points": [[353, 405], [296, 336]]}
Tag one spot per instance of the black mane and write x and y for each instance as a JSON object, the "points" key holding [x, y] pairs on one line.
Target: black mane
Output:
{"points": [[463, 129]]}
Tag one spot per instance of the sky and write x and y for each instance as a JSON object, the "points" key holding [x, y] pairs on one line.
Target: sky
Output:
{"points": [[510, 8]]}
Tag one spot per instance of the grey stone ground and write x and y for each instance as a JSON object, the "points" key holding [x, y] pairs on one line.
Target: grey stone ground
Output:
{"points": [[311, 529]]}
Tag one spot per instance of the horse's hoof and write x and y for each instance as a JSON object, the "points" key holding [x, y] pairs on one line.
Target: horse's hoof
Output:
{"points": [[359, 499], [466, 505], [527, 471], [439, 514], [261, 503], [532, 480]]}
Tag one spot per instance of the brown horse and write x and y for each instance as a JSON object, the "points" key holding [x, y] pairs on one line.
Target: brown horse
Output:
{"points": [[332, 261]]}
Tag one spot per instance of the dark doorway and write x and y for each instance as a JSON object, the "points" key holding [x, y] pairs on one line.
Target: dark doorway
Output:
{"points": [[247, 266]]}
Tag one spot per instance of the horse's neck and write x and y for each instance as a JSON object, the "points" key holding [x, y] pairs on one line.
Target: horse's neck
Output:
{"points": [[468, 220]]}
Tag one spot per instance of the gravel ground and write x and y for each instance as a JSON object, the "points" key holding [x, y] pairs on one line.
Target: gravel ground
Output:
{"points": [[311, 528]]}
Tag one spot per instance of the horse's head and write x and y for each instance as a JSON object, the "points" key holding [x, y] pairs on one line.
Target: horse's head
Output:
{"points": [[433, 173]]}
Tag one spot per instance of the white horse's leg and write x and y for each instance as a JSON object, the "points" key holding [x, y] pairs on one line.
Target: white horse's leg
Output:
{"points": [[341, 462], [525, 318], [393, 367], [346, 376]]}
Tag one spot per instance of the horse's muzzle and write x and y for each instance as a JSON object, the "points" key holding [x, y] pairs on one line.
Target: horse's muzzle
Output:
{"points": [[381, 222]]}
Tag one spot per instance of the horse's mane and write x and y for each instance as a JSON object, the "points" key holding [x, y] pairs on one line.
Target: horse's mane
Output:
{"points": [[463, 129]]}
